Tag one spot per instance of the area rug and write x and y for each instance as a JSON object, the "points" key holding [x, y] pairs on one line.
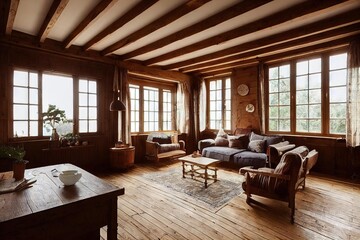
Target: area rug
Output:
{"points": [[215, 195]]}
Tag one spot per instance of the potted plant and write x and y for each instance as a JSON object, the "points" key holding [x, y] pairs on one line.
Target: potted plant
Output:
{"points": [[52, 117], [70, 139], [16, 156]]}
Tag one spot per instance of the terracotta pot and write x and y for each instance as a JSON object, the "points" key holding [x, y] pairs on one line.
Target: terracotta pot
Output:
{"points": [[19, 169]]}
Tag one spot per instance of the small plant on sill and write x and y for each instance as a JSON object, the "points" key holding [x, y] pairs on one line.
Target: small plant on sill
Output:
{"points": [[52, 117]]}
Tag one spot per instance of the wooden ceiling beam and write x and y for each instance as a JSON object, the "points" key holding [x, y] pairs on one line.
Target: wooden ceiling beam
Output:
{"points": [[98, 11], [312, 39], [4, 13], [313, 28], [54, 13], [290, 54], [314, 49], [205, 24], [154, 72], [241, 62], [127, 17], [11, 17], [302, 51], [155, 25], [299, 10]]}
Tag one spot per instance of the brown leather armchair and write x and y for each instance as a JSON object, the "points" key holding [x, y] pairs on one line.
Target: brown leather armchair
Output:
{"points": [[161, 146], [282, 182]]}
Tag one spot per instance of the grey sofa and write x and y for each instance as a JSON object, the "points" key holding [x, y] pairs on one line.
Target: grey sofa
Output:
{"points": [[242, 154]]}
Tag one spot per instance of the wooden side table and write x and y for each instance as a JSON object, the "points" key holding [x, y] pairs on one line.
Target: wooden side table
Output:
{"points": [[122, 158]]}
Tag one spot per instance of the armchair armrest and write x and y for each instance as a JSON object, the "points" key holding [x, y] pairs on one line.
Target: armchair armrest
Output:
{"points": [[182, 144], [205, 143], [275, 152], [264, 172], [152, 148]]}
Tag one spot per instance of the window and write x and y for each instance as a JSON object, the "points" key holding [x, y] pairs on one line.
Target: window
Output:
{"points": [[308, 96], [34, 91], [279, 98], [87, 106], [220, 103], [25, 104], [58, 90], [151, 107], [167, 110], [135, 108], [337, 93], [318, 88]]}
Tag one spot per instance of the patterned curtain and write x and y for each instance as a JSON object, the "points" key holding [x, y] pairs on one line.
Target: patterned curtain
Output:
{"points": [[353, 105]]}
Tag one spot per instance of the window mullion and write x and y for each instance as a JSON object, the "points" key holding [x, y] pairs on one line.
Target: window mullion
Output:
{"points": [[223, 114], [325, 95], [40, 104], [141, 109], [160, 113], [292, 97]]}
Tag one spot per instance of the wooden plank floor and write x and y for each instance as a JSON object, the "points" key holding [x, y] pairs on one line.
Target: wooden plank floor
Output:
{"points": [[326, 209]]}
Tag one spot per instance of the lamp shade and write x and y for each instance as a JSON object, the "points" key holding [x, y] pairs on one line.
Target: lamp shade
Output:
{"points": [[117, 105]]}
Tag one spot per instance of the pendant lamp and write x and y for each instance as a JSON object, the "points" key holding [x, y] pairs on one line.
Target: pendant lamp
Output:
{"points": [[117, 104]]}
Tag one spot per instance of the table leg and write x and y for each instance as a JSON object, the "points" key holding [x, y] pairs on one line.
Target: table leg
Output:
{"points": [[206, 176], [112, 221], [215, 176], [183, 168]]}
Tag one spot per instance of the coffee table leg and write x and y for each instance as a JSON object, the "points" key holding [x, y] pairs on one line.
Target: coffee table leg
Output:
{"points": [[215, 176], [206, 177], [183, 168]]}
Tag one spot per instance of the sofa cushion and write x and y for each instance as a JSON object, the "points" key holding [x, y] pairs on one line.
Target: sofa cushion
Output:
{"points": [[221, 138], [162, 140], [254, 136], [257, 146], [222, 134], [248, 158], [269, 140], [240, 141], [220, 153], [168, 147], [220, 141]]}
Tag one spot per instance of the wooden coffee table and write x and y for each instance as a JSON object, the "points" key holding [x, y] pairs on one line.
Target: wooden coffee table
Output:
{"points": [[198, 167]]}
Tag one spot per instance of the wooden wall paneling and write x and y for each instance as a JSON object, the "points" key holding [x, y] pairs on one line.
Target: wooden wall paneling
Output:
{"points": [[241, 118], [21, 57], [139, 142], [3, 96], [326, 148]]}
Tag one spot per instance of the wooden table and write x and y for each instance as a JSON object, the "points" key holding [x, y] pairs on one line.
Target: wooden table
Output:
{"points": [[198, 167], [49, 210]]}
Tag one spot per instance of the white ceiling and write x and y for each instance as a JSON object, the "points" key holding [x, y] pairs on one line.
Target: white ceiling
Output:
{"points": [[31, 14]]}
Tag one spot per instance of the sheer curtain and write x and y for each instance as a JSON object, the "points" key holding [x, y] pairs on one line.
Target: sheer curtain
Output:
{"points": [[202, 105], [261, 97], [353, 105], [126, 133], [183, 109]]}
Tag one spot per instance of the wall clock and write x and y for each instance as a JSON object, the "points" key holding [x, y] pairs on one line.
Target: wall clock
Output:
{"points": [[243, 89], [250, 108]]}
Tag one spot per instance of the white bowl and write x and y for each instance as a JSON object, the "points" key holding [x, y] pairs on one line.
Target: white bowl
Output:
{"points": [[69, 177]]}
